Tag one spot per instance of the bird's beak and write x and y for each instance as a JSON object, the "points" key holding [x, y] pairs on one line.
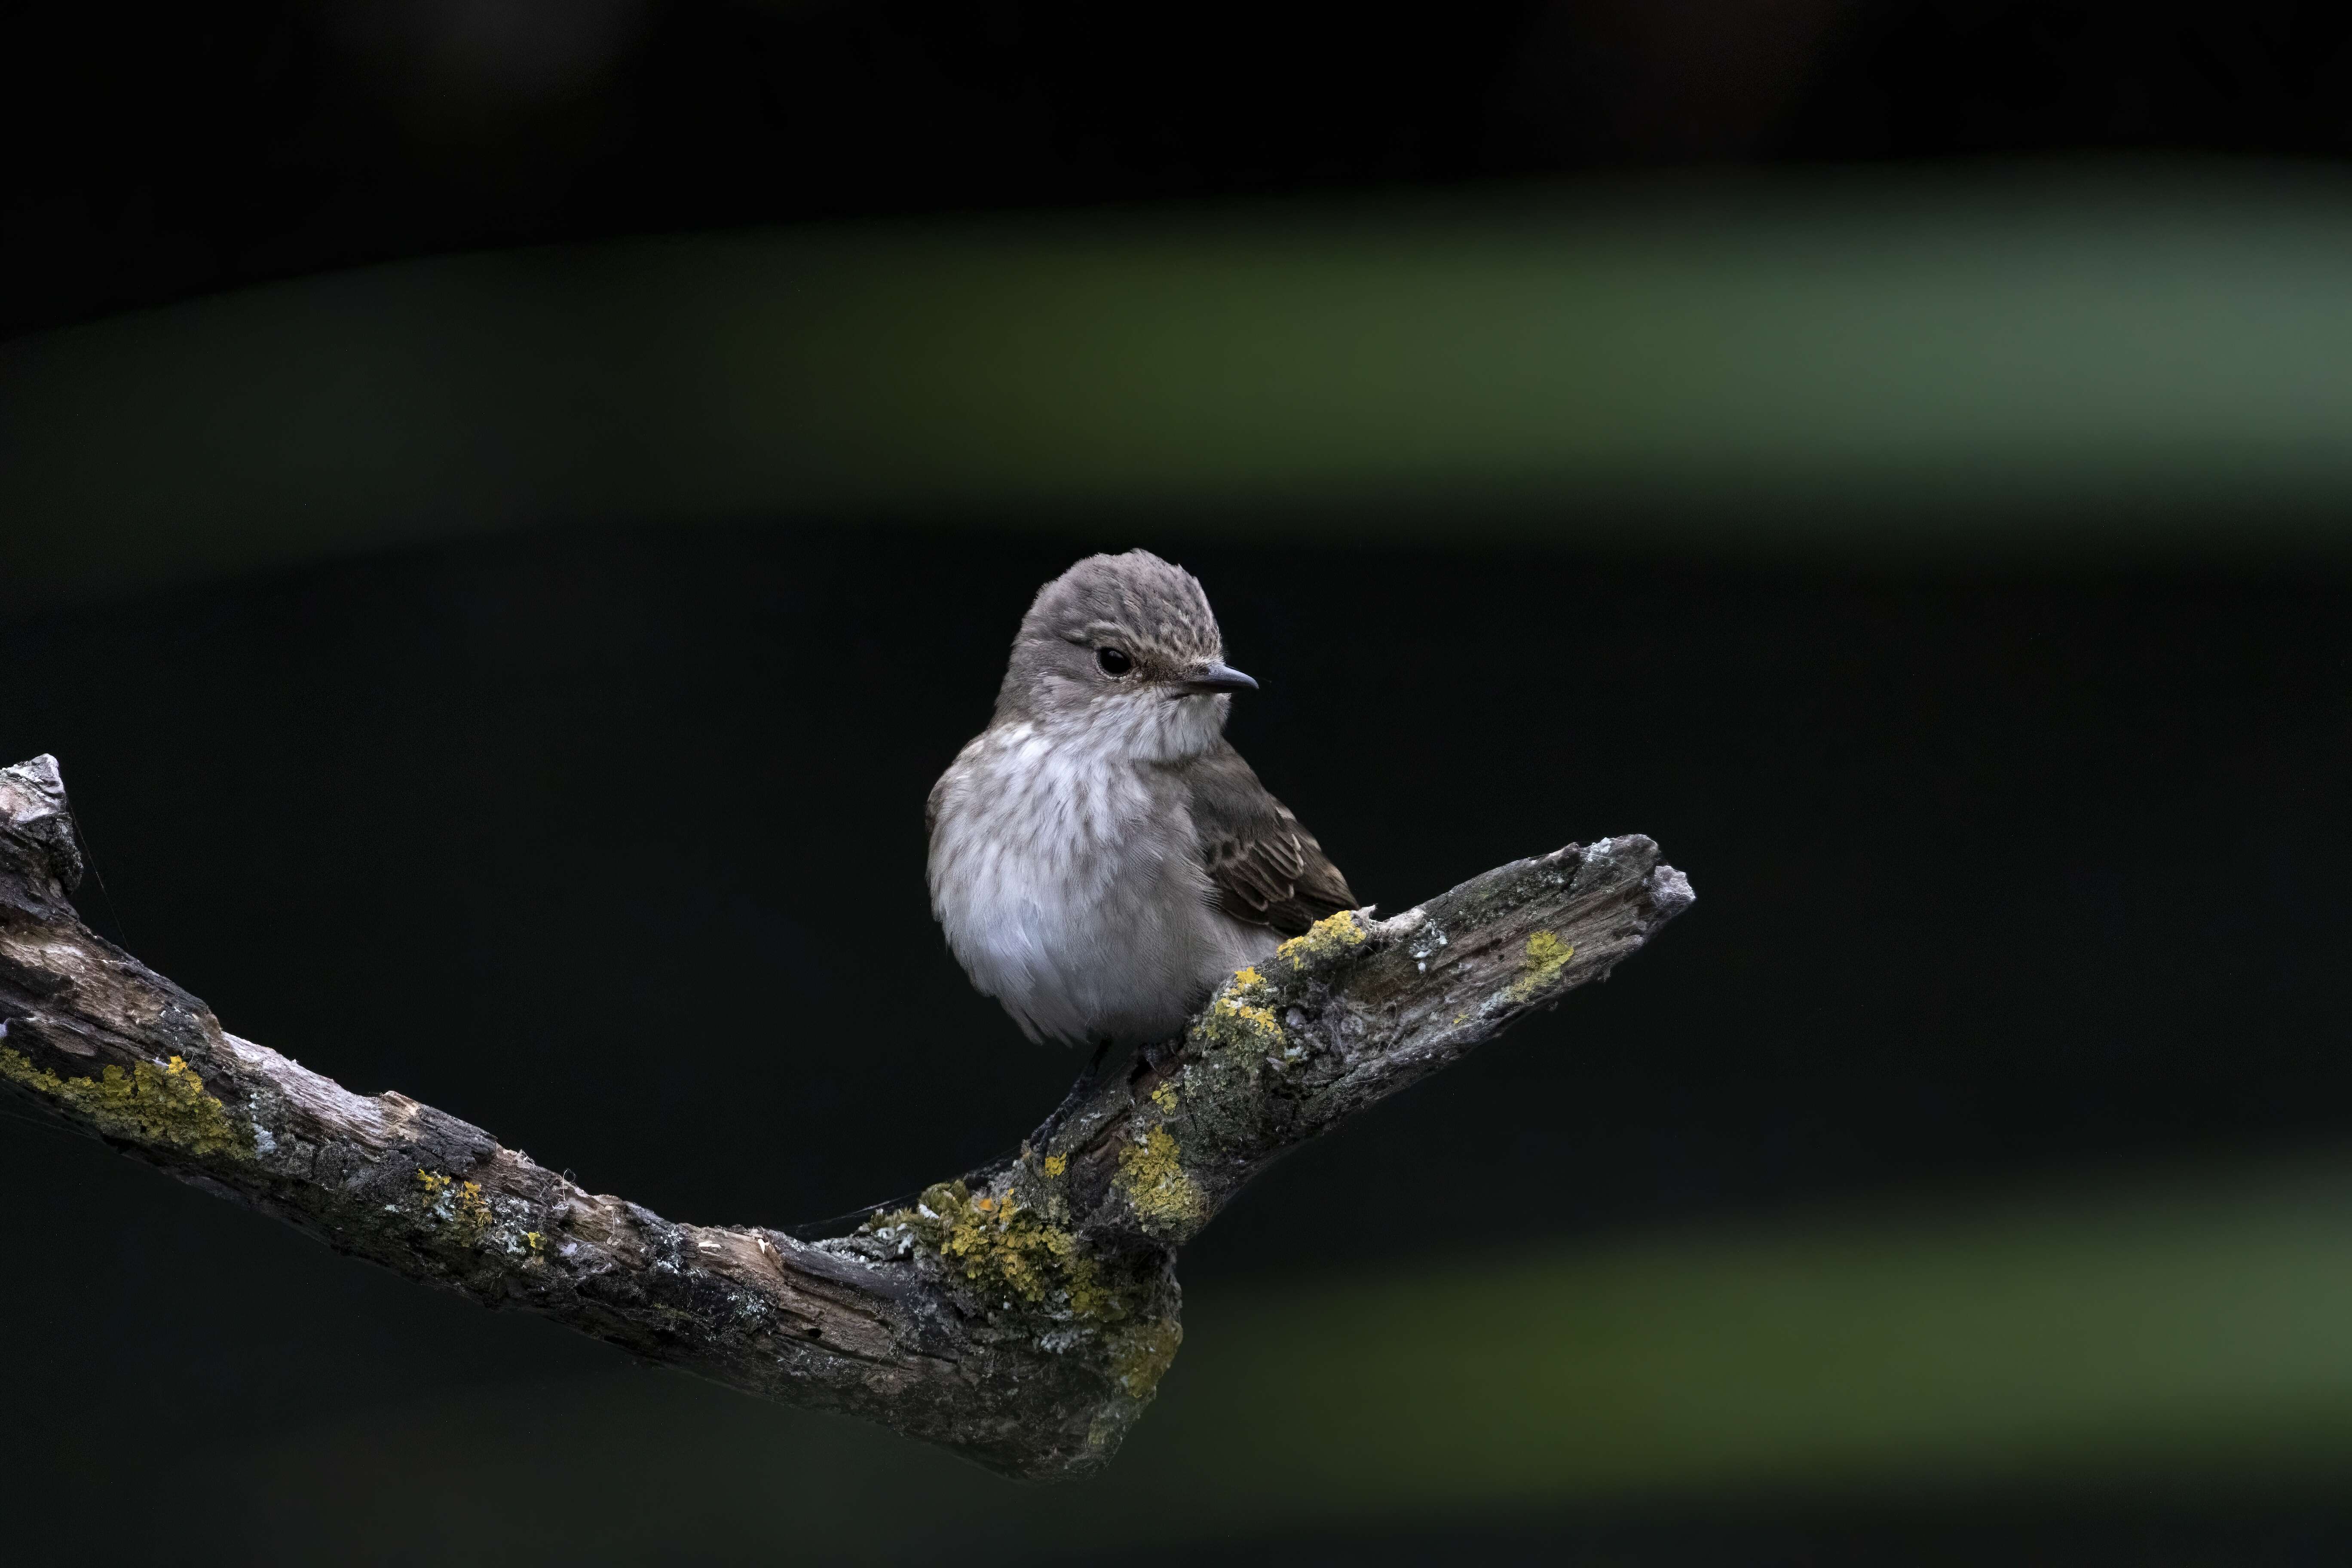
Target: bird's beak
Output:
{"points": [[1214, 677]]}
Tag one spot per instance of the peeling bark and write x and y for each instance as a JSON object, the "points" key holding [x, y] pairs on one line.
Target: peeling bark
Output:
{"points": [[1021, 1315]]}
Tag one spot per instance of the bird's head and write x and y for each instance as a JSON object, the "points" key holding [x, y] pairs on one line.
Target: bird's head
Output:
{"points": [[1128, 646]]}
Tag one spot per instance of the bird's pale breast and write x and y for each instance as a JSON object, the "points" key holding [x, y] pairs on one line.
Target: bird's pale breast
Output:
{"points": [[1066, 877]]}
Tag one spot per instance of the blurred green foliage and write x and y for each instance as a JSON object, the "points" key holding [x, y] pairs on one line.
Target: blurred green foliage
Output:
{"points": [[2057, 365], [2059, 362], [2188, 1330]]}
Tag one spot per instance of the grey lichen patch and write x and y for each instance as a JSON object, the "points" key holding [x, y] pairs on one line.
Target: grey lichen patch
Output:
{"points": [[1489, 900], [1547, 955], [1326, 940], [1007, 1251], [1425, 941], [1151, 1177], [166, 1107]]}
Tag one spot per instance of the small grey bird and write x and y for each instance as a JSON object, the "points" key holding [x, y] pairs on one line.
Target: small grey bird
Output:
{"points": [[1101, 857]]}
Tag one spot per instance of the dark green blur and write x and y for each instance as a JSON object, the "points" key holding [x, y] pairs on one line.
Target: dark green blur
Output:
{"points": [[2133, 382], [2186, 1330], [2125, 362]]}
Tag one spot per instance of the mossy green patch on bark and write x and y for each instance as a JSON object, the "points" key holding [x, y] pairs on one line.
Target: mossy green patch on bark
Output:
{"points": [[1152, 1179], [1141, 1355], [459, 1204], [1547, 955], [1008, 1251], [1238, 1019], [165, 1106], [1325, 940]]}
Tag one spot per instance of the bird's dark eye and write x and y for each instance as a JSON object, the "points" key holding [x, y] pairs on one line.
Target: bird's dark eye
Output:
{"points": [[1113, 662]]}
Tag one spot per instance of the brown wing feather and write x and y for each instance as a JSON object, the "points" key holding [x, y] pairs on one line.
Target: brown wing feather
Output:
{"points": [[1265, 868]]}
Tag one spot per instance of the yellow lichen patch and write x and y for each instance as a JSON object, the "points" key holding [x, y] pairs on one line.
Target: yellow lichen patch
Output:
{"points": [[1056, 1164], [1230, 1022], [1006, 1250], [1152, 1179], [1259, 1021], [166, 1106], [461, 1204], [1325, 939], [1089, 1297], [473, 1210], [1237, 1019], [1545, 956], [1140, 1356], [1164, 1096]]}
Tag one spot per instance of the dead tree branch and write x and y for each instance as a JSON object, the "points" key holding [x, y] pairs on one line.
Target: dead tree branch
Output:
{"points": [[1021, 1315]]}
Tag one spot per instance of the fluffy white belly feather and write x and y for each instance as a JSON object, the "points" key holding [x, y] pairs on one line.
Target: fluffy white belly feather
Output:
{"points": [[1068, 883]]}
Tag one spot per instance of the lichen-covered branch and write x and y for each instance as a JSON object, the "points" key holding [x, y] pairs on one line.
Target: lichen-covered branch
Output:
{"points": [[1021, 1315]]}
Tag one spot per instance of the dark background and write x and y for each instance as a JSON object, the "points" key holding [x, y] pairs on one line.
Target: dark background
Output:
{"points": [[161, 152], [608, 839]]}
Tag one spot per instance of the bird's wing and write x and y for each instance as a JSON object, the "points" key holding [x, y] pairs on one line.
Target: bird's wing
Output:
{"points": [[1263, 867]]}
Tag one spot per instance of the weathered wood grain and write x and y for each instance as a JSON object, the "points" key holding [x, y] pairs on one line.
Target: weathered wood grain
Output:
{"points": [[1021, 1315]]}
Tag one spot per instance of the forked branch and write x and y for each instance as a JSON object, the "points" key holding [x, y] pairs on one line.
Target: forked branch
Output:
{"points": [[1021, 1315]]}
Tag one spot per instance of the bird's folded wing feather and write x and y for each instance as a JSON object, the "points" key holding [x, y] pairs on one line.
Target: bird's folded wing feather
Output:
{"points": [[1264, 868]]}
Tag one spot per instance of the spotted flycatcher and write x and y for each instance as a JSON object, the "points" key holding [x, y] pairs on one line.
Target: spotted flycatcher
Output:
{"points": [[1101, 857]]}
